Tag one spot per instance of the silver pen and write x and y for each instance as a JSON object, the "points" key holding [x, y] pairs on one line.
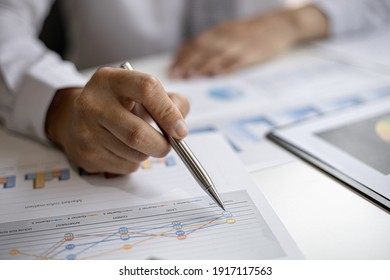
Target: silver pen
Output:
{"points": [[189, 159]]}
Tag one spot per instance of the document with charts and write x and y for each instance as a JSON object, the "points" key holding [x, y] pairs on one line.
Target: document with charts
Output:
{"points": [[299, 85], [353, 146], [49, 211]]}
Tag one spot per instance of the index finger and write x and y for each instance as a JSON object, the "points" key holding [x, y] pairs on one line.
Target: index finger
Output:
{"points": [[148, 91]]}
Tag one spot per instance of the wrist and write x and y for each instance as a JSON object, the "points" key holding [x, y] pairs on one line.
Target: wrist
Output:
{"points": [[59, 114], [308, 23]]}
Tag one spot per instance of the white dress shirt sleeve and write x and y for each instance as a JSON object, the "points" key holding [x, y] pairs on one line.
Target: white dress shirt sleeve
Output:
{"points": [[30, 74], [347, 16]]}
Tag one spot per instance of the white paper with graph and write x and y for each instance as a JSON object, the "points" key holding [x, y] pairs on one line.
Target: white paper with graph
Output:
{"points": [[302, 84], [49, 211]]}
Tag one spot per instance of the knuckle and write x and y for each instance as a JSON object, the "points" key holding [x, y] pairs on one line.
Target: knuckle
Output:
{"points": [[83, 137], [168, 113], [80, 106], [137, 136], [83, 107], [149, 84], [102, 71], [80, 102], [86, 153], [101, 79]]}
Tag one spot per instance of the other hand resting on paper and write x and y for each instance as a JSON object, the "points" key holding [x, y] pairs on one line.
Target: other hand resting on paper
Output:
{"points": [[240, 43], [104, 126]]}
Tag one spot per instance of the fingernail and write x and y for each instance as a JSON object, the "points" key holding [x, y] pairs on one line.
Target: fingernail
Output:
{"points": [[181, 129]]}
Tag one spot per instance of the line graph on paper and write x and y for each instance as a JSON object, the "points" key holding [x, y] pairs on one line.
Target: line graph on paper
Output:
{"points": [[181, 229]]}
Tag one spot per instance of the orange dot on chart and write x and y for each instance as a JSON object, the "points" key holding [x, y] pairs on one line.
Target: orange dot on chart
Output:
{"points": [[127, 247], [182, 237], [68, 236], [230, 221], [14, 252]]}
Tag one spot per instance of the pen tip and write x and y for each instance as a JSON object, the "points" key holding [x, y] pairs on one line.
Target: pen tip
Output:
{"points": [[215, 196], [220, 204]]}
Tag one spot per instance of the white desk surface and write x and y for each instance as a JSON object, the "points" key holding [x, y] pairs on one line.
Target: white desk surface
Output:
{"points": [[326, 218]]}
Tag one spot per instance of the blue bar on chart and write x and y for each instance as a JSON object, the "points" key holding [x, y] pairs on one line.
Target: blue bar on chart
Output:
{"points": [[8, 182], [40, 178], [224, 93]]}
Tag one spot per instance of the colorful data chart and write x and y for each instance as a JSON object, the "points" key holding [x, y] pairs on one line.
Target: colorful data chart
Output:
{"points": [[167, 161], [189, 228], [40, 178], [382, 128], [8, 182]]}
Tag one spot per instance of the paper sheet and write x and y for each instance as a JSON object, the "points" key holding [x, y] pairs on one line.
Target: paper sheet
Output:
{"points": [[301, 84], [49, 211]]}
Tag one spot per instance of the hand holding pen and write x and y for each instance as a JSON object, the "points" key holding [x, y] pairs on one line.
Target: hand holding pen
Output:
{"points": [[103, 127], [189, 159]]}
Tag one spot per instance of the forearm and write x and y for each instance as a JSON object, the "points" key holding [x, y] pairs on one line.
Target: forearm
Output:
{"points": [[30, 73]]}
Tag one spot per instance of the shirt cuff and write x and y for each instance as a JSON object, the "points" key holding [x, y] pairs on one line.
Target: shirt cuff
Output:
{"points": [[346, 16], [36, 92], [340, 19]]}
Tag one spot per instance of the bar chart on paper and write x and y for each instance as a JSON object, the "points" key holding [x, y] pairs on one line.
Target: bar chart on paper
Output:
{"points": [[7, 181], [181, 229], [50, 184], [39, 178]]}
